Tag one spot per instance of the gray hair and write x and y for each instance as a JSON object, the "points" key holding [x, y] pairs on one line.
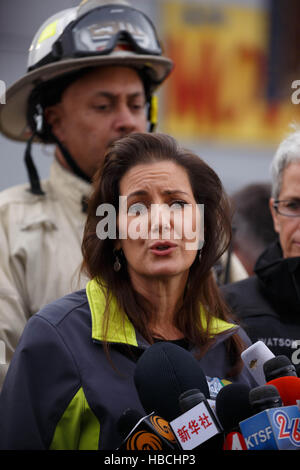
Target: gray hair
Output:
{"points": [[287, 152]]}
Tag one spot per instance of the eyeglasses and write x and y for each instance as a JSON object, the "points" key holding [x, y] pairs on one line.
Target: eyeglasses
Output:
{"points": [[289, 208], [101, 29]]}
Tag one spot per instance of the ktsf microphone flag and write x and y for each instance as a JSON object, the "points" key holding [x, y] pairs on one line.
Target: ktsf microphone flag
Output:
{"points": [[273, 429]]}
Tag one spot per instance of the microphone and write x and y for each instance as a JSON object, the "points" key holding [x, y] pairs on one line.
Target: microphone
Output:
{"points": [[264, 397], [254, 358], [288, 388], [233, 406], [279, 366], [273, 426], [281, 373], [163, 373], [197, 426], [145, 432]]}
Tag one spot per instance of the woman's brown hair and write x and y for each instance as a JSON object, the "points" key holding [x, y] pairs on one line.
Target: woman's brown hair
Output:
{"points": [[144, 148]]}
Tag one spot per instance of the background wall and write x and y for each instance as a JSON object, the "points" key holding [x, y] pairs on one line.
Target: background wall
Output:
{"points": [[237, 162]]}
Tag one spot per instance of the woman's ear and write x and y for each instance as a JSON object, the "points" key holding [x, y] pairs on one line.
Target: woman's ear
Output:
{"points": [[117, 245]]}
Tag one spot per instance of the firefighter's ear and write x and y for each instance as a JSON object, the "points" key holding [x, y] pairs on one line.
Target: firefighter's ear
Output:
{"points": [[54, 117]]}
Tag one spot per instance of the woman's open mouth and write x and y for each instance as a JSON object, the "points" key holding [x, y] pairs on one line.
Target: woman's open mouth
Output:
{"points": [[162, 248]]}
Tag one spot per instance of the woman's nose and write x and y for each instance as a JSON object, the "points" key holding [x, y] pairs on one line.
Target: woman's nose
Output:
{"points": [[160, 220]]}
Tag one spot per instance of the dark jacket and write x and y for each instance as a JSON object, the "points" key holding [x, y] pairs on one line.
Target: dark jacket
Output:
{"points": [[268, 303], [61, 392]]}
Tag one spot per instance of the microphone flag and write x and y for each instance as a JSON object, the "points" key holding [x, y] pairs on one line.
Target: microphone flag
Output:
{"points": [[234, 441], [152, 432], [195, 426], [273, 429]]}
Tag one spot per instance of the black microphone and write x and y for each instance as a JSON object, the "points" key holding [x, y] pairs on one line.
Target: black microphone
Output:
{"points": [[190, 398], [145, 432], [163, 373], [233, 406], [281, 373], [264, 397], [279, 366]]}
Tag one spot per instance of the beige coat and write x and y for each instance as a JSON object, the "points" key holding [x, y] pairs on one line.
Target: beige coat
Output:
{"points": [[40, 251]]}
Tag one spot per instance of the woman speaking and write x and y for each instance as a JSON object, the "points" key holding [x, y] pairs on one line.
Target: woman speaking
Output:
{"points": [[158, 220]]}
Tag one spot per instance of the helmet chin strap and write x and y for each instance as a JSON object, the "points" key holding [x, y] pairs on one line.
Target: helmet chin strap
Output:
{"points": [[70, 161], [33, 176], [35, 186]]}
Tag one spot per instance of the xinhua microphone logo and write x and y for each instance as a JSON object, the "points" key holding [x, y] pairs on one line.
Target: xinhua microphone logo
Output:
{"points": [[2, 92]]}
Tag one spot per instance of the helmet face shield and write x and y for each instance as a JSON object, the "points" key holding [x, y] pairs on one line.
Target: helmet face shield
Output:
{"points": [[100, 30]]}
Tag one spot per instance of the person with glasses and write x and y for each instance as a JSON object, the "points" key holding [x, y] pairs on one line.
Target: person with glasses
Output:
{"points": [[92, 73], [268, 303]]}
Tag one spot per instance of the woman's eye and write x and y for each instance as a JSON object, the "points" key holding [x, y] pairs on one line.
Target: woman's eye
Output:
{"points": [[177, 204], [137, 209]]}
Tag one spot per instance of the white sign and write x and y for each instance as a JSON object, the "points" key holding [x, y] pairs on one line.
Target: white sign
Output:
{"points": [[194, 427]]}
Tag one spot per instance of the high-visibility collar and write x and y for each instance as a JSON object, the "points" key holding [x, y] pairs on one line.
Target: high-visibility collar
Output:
{"points": [[119, 328]]}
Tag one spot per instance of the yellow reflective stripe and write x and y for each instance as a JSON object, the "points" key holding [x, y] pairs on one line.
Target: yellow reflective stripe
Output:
{"points": [[48, 32], [217, 325], [120, 329], [78, 428]]}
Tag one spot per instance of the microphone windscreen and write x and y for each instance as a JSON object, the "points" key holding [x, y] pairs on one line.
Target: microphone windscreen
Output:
{"points": [[190, 398], [278, 366], [264, 397], [162, 374], [233, 405], [288, 388]]}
